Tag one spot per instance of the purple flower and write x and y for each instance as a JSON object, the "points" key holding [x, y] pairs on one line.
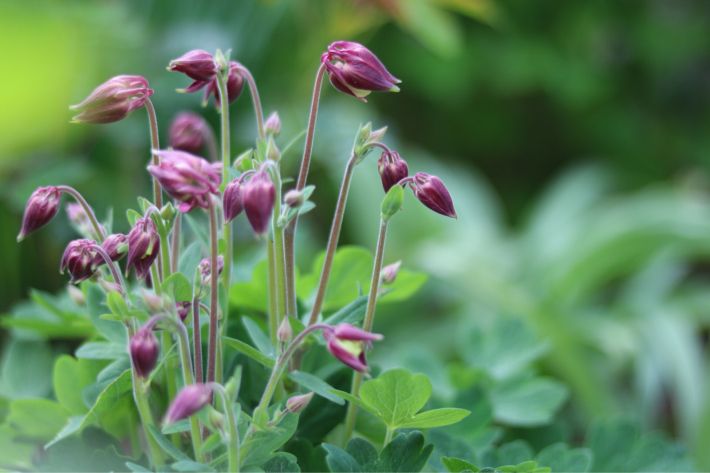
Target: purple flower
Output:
{"points": [[188, 132], [113, 246], [183, 310], [77, 215], [259, 199], [205, 268], [389, 272], [431, 192], [347, 344], [143, 246], [190, 400], [235, 85], [79, 259], [113, 100], [233, 200], [144, 351], [297, 404], [354, 70], [197, 65], [41, 207], [187, 178], [392, 169]]}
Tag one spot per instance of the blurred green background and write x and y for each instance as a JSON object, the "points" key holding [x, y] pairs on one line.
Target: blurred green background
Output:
{"points": [[573, 137]]}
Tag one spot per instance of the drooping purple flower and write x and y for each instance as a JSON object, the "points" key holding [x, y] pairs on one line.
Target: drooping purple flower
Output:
{"points": [[431, 192], [233, 200], [205, 268], [392, 169], [235, 85], [78, 259], [198, 65], [297, 404], [115, 246], [144, 351], [143, 246], [188, 401], [183, 310], [389, 272], [259, 199], [354, 70], [41, 207], [347, 344], [113, 100], [187, 178], [188, 132]]}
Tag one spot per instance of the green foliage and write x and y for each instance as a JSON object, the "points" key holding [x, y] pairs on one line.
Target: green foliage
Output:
{"points": [[405, 453]]}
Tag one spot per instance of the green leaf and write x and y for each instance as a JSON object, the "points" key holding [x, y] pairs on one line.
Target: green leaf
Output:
{"points": [[132, 216], [404, 287], [72, 426], [435, 418], [37, 420], [117, 304], [26, 370], [178, 287], [189, 260], [101, 351], [114, 370], [260, 339], [166, 445], [406, 453], [266, 442], [109, 398], [527, 402], [70, 377], [392, 203], [137, 468], [212, 442], [356, 400], [397, 394], [351, 314], [339, 460], [252, 294], [198, 228], [189, 465], [250, 351], [315, 384], [179, 426], [456, 465], [447, 445], [515, 452], [281, 463], [559, 457], [111, 330], [309, 458]]}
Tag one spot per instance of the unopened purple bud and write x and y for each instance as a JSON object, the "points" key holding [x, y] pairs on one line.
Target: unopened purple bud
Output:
{"points": [[285, 332], [115, 246], [431, 192], [113, 100], [296, 404], [189, 401], [205, 268], [77, 215], [41, 207], [153, 302], [389, 272], [294, 199], [272, 126], [354, 70], [78, 259], [392, 169], [77, 295], [183, 310], [187, 178], [144, 351], [259, 199], [347, 344], [110, 287], [143, 246], [197, 65], [188, 132], [233, 200]]}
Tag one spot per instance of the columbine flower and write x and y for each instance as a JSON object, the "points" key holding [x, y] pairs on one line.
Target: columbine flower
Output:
{"points": [[272, 126], [235, 85], [389, 272], [187, 178], [259, 199], [347, 344], [297, 404], [41, 207], [144, 351], [205, 268], [183, 310], [143, 246], [355, 71], [113, 100], [392, 169], [431, 192], [115, 246], [233, 200], [197, 65], [79, 259], [190, 400], [187, 132]]}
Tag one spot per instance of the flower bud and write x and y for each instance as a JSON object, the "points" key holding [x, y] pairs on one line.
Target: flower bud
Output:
{"points": [[347, 344], [41, 207], [235, 85], [78, 258], [143, 246], [285, 332], [187, 178], [259, 199], [183, 310], [205, 268], [377, 135], [115, 246], [188, 132], [355, 71], [273, 152], [77, 215], [294, 199], [389, 272], [77, 295], [188, 401], [296, 404], [392, 169], [232, 388], [197, 65], [113, 100], [110, 287], [233, 200], [272, 126], [431, 192], [144, 351], [216, 420], [153, 302], [167, 213], [392, 203]]}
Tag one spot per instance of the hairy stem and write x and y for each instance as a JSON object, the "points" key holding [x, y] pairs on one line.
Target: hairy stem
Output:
{"points": [[255, 98], [116, 274], [98, 228], [233, 453], [170, 378], [188, 380], [197, 339], [214, 298], [154, 144], [271, 284], [176, 243]]}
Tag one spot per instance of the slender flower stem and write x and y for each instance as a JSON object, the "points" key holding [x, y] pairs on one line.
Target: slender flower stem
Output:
{"points": [[211, 140], [155, 278], [214, 298], [154, 144], [271, 284], [165, 256], [98, 228], [116, 274], [279, 248], [255, 98], [197, 339], [176, 243], [290, 231], [170, 377], [233, 453], [188, 379], [367, 326]]}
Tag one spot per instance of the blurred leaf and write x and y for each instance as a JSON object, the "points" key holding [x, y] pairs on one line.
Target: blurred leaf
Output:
{"points": [[456, 465], [109, 398], [260, 339], [404, 287], [281, 464], [101, 350], [267, 441], [447, 445], [250, 351], [351, 314], [36, 420], [406, 452], [26, 370], [189, 260], [560, 457], [114, 332], [167, 446], [254, 294], [315, 384], [70, 377], [310, 458], [437, 30], [178, 287], [527, 402]]}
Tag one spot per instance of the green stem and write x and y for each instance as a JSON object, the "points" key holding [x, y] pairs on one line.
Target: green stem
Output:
{"points": [[154, 144], [271, 280], [388, 436], [197, 338], [214, 298], [170, 378], [176, 243], [279, 249], [155, 278], [367, 325], [188, 379], [165, 256], [98, 228], [233, 453], [255, 98]]}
